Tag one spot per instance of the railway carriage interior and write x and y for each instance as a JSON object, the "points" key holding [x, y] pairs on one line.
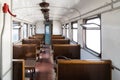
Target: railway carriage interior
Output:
{"points": [[59, 40]]}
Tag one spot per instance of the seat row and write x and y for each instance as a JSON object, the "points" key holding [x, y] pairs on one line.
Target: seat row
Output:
{"points": [[70, 67], [24, 56]]}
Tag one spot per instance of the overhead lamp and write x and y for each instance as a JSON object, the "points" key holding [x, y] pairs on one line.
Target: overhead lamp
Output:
{"points": [[44, 10], [44, 4]]}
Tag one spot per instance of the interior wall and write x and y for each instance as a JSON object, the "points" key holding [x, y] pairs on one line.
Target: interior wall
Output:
{"points": [[6, 55], [57, 28], [80, 36], [111, 37], [115, 74], [70, 32], [110, 27], [8, 76], [40, 27]]}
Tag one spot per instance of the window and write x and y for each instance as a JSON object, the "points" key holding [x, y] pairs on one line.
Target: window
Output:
{"points": [[67, 29], [16, 31], [92, 34], [25, 30], [74, 30], [31, 30], [63, 30], [34, 30]]}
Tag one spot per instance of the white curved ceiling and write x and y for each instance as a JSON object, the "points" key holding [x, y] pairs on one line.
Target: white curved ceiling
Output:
{"points": [[59, 9], [30, 9]]}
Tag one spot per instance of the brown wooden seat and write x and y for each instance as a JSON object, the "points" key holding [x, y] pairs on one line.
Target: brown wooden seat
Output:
{"points": [[60, 41], [39, 36], [24, 51], [18, 69], [58, 37], [32, 41], [84, 70], [67, 50]]}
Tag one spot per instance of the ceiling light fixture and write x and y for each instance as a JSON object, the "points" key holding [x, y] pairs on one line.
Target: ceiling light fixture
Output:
{"points": [[44, 10], [44, 5]]}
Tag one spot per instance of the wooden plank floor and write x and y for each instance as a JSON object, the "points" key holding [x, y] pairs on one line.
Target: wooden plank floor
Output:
{"points": [[44, 68]]}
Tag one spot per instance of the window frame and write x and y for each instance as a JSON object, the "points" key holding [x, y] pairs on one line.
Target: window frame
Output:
{"points": [[63, 30], [75, 22], [92, 28], [34, 29], [67, 30], [19, 30], [25, 30], [30, 30]]}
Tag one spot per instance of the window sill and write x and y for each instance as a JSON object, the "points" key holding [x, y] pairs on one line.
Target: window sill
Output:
{"points": [[92, 52]]}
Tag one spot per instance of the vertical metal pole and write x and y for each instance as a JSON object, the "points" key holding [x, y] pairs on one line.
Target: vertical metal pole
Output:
{"points": [[1, 35]]}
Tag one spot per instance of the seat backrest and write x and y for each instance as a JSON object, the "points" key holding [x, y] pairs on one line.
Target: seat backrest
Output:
{"points": [[29, 50], [18, 70], [67, 50], [60, 41], [32, 41], [84, 70], [58, 37], [24, 51], [18, 52], [39, 36]]}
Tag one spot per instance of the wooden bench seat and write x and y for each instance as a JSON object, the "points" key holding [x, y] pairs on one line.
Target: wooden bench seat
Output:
{"points": [[58, 37], [32, 41], [24, 51], [18, 69], [67, 50], [60, 41], [38, 36], [84, 70]]}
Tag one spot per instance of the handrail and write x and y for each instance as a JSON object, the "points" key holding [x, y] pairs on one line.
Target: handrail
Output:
{"points": [[114, 67]]}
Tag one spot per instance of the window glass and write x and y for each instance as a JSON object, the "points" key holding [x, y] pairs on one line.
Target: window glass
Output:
{"points": [[75, 25], [16, 31], [74, 30], [94, 20], [93, 40], [91, 25], [15, 35], [75, 35], [67, 28], [92, 36], [25, 30], [30, 30], [33, 30], [63, 30]]}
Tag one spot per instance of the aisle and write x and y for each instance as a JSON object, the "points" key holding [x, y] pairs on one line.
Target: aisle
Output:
{"points": [[44, 68]]}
